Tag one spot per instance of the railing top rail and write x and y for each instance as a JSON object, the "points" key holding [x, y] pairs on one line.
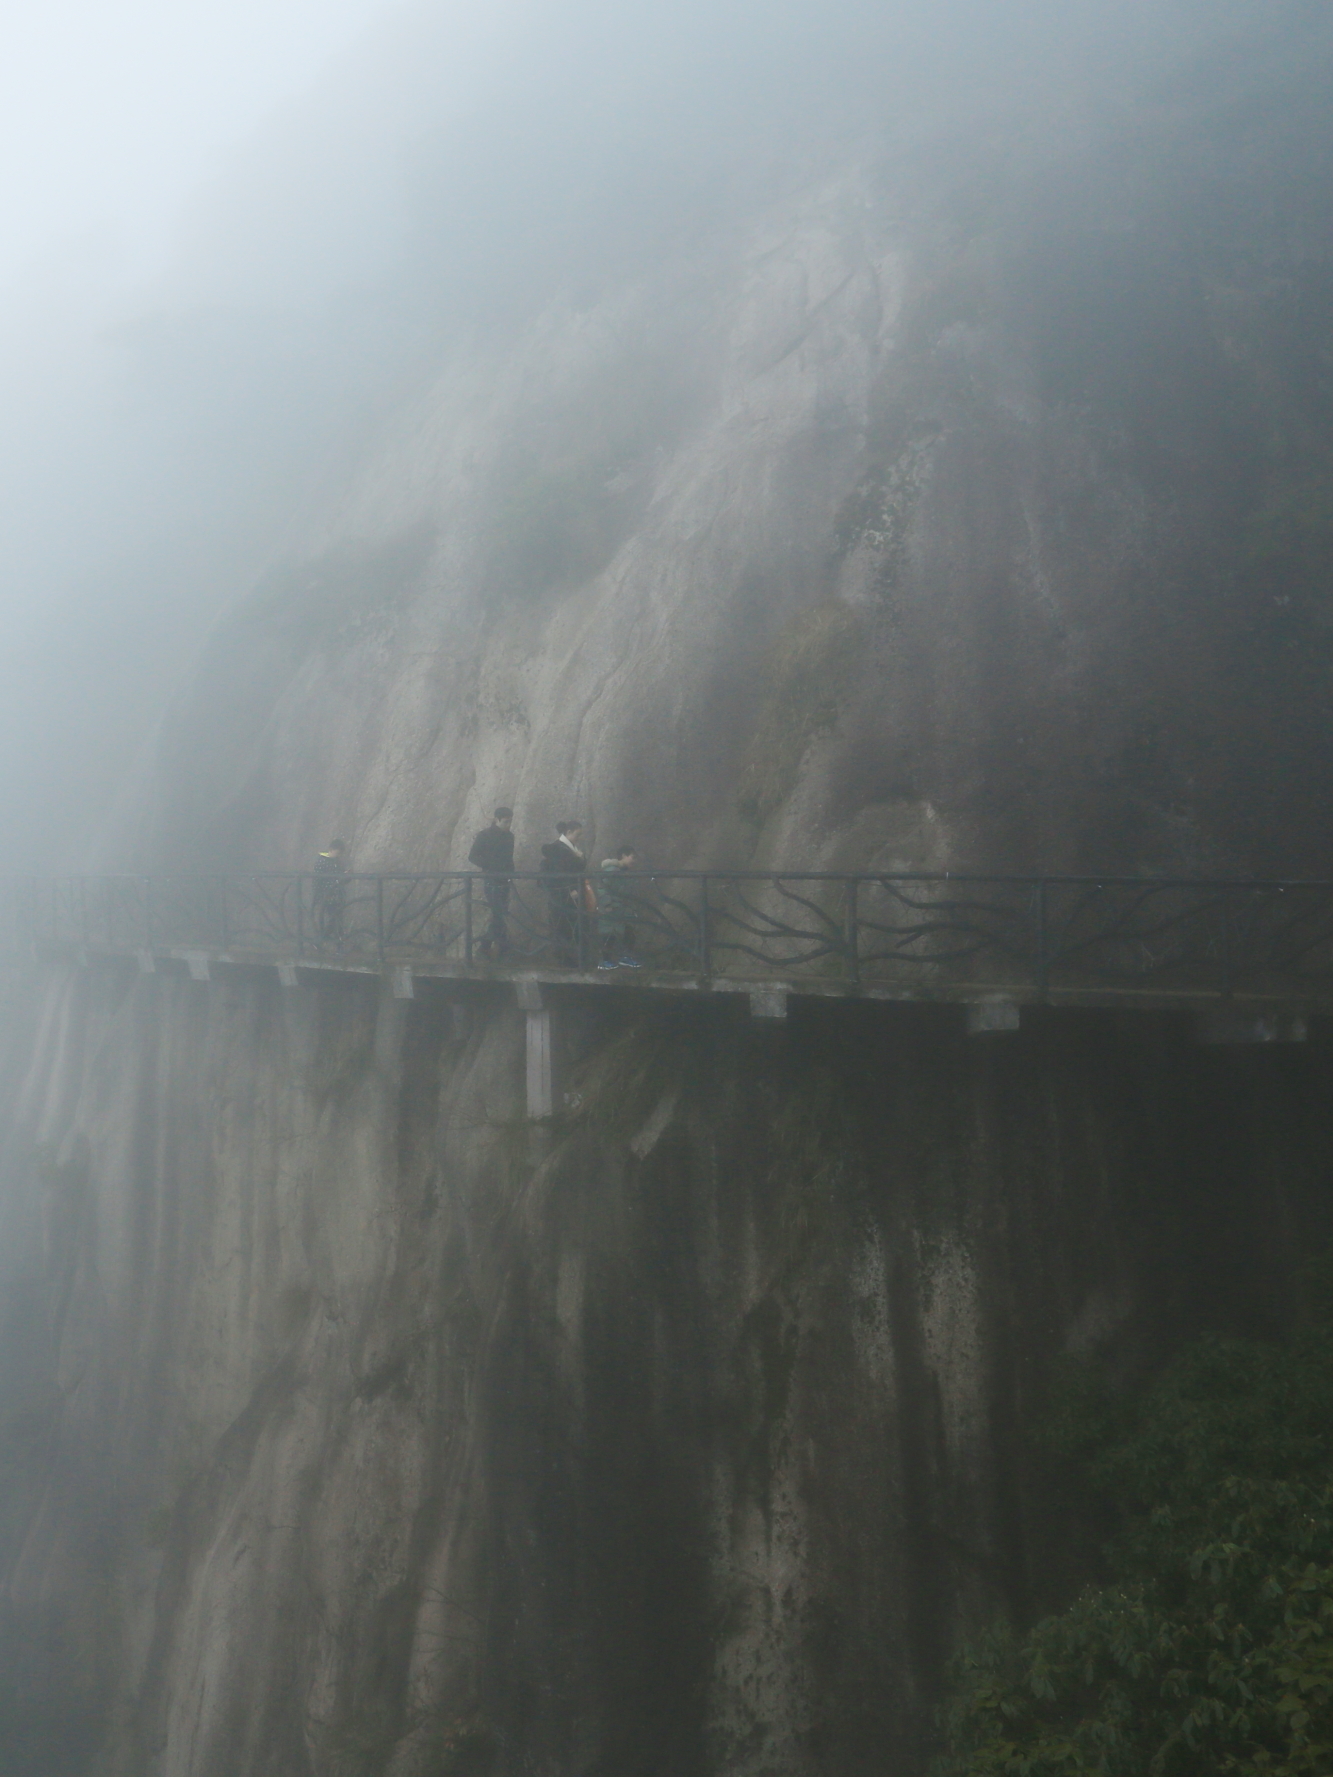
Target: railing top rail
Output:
{"points": [[937, 933], [951, 877]]}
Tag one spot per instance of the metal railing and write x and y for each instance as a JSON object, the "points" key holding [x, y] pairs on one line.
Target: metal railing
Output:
{"points": [[935, 935]]}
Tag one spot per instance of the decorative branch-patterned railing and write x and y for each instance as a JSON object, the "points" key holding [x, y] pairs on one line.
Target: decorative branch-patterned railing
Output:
{"points": [[936, 936]]}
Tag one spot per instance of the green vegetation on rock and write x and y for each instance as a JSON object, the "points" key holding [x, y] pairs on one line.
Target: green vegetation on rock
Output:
{"points": [[1210, 1650]]}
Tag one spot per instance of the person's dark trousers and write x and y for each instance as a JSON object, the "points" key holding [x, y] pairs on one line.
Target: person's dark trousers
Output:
{"points": [[496, 891], [328, 912], [565, 932]]}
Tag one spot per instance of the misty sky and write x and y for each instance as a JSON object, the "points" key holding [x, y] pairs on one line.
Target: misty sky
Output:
{"points": [[112, 110], [115, 113]]}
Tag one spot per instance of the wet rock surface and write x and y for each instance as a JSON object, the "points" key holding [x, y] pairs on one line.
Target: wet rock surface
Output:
{"points": [[371, 1428]]}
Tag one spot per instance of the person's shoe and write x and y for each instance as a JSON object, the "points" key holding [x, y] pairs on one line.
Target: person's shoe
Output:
{"points": [[605, 968], [629, 962]]}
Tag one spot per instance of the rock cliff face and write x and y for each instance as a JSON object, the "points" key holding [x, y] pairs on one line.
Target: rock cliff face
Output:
{"points": [[372, 1430], [968, 508], [965, 509]]}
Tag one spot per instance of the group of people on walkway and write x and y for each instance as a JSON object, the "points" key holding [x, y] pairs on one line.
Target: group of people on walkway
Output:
{"points": [[586, 919]]}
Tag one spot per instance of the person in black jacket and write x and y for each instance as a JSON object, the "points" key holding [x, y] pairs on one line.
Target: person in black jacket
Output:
{"points": [[493, 852], [563, 864]]}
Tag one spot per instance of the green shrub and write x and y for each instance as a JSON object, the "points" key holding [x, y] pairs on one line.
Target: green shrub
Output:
{"points": [[1210, 1653]]}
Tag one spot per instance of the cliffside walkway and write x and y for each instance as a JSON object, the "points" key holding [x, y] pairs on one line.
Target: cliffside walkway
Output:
{"points": [[1252, 960], [979, 940]]}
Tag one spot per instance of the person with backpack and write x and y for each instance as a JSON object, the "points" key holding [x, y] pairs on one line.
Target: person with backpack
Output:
{"points": [[613, 921]]}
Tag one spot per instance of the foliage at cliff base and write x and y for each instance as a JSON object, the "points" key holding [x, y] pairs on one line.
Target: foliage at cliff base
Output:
{"points": [[1209, 1651]]}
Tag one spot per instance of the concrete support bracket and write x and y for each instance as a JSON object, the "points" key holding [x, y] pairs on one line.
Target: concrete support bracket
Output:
{"points": [[768, 1002], [540, 1071], [197, 963], [287, 975], [992, 1015], [400, 981], [540, 1083], [528, 994]]}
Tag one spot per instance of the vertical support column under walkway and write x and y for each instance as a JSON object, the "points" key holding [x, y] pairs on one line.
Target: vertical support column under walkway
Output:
{"points": [[540, 1078]]}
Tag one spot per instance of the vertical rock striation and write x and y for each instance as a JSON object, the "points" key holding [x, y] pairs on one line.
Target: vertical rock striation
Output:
{"points": [[371, 1429]]}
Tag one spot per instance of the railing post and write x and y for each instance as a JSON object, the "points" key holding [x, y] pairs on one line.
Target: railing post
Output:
{"points": [[584, 919], [224, 930], [1042, 958], [300, 913], [705, 932], [379, 918], [852, 931], [467, 919], [1228, 949]]}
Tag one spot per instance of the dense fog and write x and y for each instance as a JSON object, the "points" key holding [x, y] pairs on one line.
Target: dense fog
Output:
{"points": [[828, 450], [181, 401]]}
